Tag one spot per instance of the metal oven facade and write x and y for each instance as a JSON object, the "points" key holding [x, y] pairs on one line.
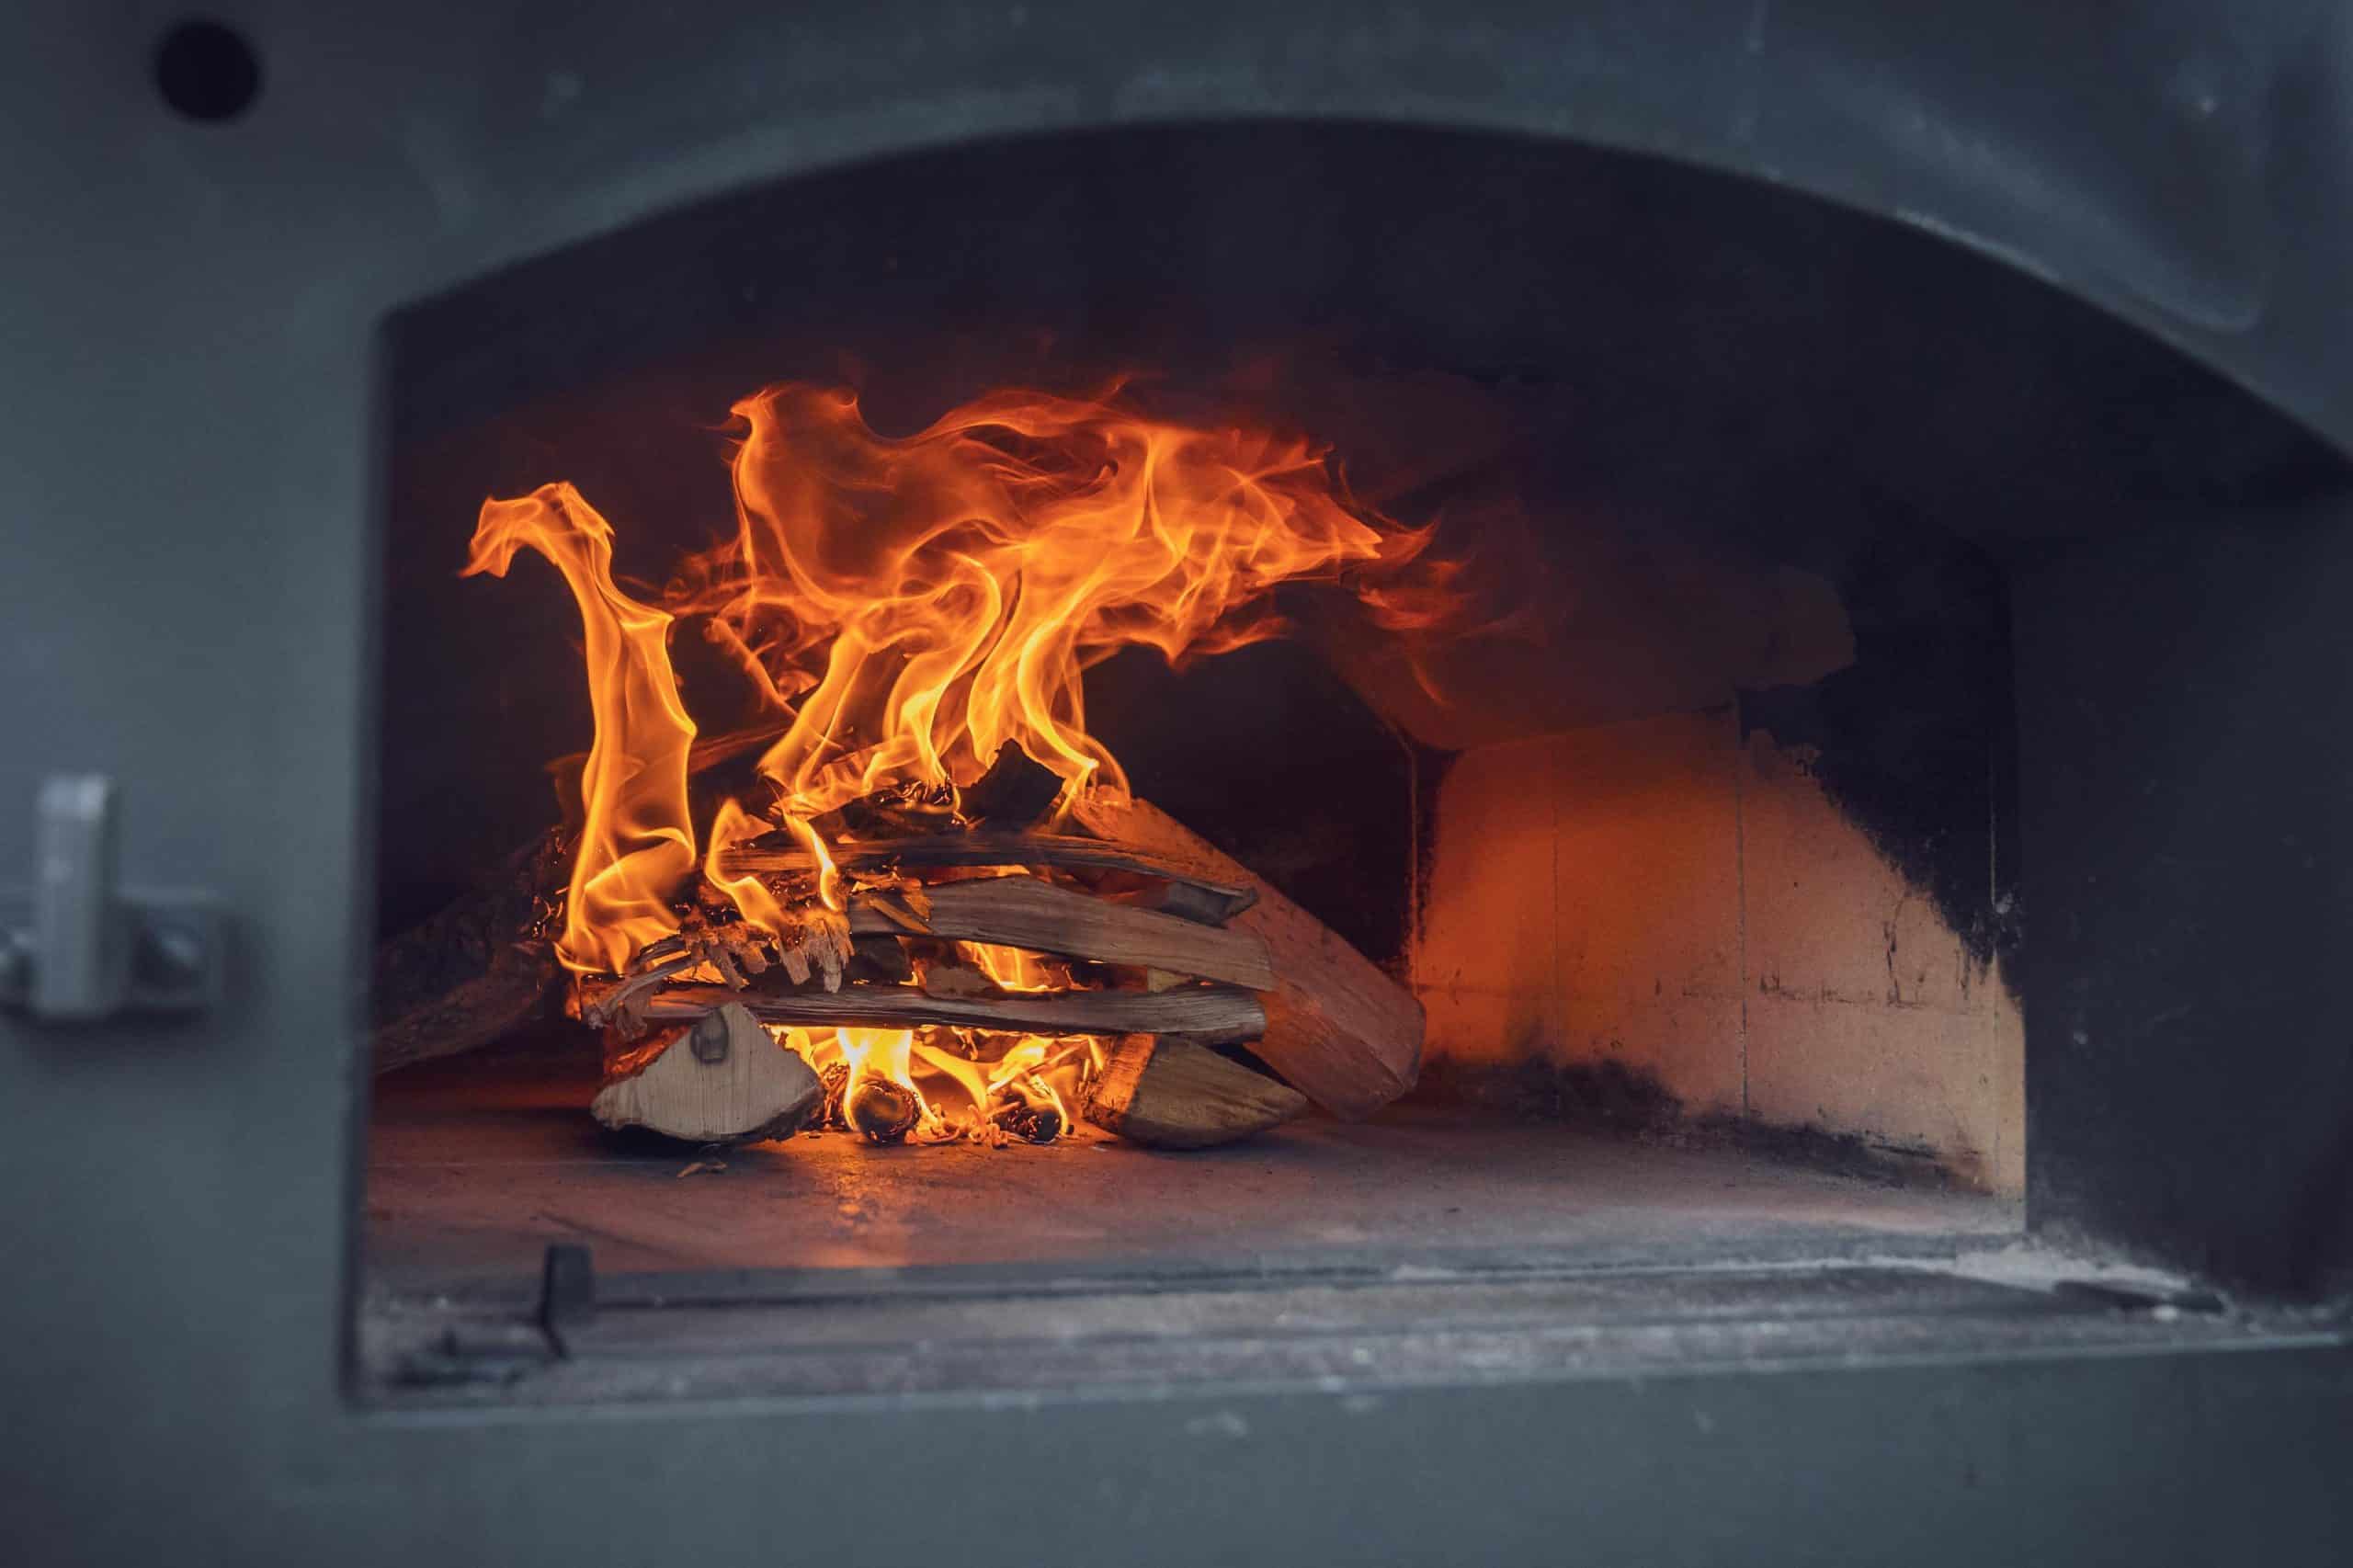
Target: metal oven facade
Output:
{"points": [[190, 476]]}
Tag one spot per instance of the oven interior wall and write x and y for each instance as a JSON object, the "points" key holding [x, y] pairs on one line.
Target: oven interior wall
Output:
{"points": [[1795, 908], [1768, 456], [1678, 919]]}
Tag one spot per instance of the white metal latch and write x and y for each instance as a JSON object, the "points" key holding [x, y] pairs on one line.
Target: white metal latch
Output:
{"points": [[77, 947]]}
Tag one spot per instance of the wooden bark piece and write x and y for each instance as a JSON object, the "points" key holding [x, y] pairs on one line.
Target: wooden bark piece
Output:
{"points": [[1217, 896], [1337, 1029], [725, 1080], [1215, 1015], [1172, 1093], [478, 969], [1024, 911]]}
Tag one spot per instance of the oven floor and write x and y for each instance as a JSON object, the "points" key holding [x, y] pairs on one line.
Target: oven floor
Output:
{"points": [[475, 1168]]}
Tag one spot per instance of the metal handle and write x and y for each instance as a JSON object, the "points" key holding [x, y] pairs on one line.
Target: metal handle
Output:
{"points": [[90, 951], [80, 952]]}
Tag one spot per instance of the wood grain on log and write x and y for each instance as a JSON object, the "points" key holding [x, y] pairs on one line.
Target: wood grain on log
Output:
{"points": [[1213, 1014], [725, 1080], [1024, 911], [1337, 1029], [1222, 895], [1171, 1094]]}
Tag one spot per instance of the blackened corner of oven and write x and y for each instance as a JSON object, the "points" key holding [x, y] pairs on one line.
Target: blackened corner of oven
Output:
{"points": [[1604, 1093], [1916, 742]]}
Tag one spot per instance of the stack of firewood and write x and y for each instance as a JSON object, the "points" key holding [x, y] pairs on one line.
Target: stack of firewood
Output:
{"points": [[1168, 948]]}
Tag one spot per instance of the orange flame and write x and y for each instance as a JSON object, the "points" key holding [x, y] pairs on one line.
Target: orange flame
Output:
{"points": [[924, 600], [637, 844], [930, 597], [939, 594], [1011, 969], [990, 1072], [749, 895]]}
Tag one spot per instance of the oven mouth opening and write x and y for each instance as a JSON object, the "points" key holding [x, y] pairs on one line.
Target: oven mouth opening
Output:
{"points": [[1142, 772]]}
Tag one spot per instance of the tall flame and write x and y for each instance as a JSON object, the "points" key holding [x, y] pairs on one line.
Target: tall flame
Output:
{"points": [[937, 595], [908, 604], [637, 844]]}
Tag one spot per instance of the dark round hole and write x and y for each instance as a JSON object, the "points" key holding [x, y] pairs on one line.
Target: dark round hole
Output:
{"points": [[207, 70]]}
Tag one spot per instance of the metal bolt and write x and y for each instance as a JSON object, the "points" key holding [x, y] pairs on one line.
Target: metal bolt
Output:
{"points": [[709, 1040]]}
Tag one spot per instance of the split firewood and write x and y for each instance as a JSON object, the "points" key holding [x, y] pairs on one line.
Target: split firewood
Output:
{"points": [[1215, 1015], [1216, 897], [1172, 1093], [1026, 912], [724, 1080], [879, 961], [1016, 793], [1185, 900], [482, 967], [1337, 1029], [621, 1006], [955, 981], [735, 951]]}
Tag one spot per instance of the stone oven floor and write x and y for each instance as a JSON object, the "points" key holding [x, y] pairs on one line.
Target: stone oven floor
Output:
{"points": [[476, 1166]]}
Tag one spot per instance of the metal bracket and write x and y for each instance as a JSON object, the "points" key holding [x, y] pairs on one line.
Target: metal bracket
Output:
{"points": [[567, 1292], [76, 946]]}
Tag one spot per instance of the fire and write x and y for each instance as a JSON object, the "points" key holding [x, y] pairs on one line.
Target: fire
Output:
{"points": [[959, 1091], [637, 844], [928, 597], [900, 606]]}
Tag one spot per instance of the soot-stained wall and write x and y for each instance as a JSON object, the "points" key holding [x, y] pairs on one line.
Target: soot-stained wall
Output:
{"points": [[1681, 898]]}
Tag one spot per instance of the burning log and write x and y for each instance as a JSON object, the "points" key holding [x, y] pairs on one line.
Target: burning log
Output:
{"points": [[883, 1111], [1031, 1123], [1016, 793], [479, 969], [1214, 1015], [1337, 1029], [1025, 911], [879, 961], [1172, 1093], [1214, 897], [723, 1080]]}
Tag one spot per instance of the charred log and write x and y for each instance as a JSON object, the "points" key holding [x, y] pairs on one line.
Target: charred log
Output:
{"points": [[1032, 1124], [878, 961], [1016, 793], [882, 1111]]}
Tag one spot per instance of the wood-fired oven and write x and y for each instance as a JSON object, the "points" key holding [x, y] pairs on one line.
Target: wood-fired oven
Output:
{"points": [[1256, 784]]}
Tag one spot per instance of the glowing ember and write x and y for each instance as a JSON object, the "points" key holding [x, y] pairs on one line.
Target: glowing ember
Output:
{"points": [[902, 607], [963, 1082]]}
